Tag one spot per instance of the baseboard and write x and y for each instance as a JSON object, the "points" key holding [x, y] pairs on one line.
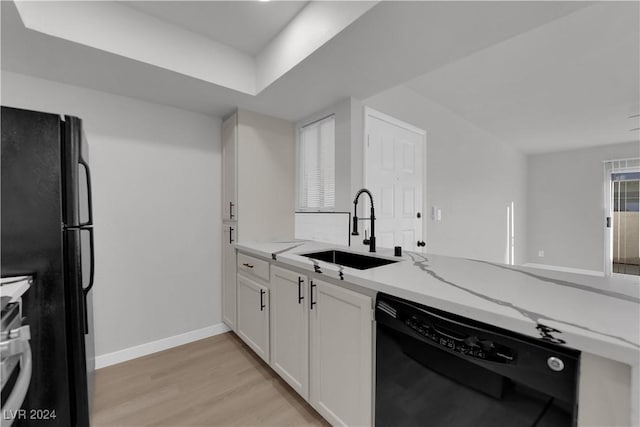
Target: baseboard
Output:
{"points": [[564, 269], [159, 345]]}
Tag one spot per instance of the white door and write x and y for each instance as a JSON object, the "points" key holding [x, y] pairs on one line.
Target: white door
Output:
{"points": [[290, 328], [341, 354], [394, 166], [229, 168], [253, 315], [229, 233]]}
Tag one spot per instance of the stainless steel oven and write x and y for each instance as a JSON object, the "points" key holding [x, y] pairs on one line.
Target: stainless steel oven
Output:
{"points": [[438, 369]]}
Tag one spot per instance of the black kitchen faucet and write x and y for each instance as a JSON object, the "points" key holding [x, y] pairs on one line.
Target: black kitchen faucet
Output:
{"points": [[372, 240]]}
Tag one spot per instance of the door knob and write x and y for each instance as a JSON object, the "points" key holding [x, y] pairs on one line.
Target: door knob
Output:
{"points": [[421, 243]]}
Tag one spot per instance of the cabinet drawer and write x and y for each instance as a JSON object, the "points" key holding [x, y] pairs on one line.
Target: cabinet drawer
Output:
{"points": [[253, 266]]}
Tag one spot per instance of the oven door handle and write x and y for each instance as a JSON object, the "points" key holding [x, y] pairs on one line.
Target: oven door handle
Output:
{"points": [[450, 321], [15, 400]]}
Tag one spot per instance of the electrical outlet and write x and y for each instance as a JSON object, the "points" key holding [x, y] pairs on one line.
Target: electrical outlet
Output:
{"points": [[541, 253]]}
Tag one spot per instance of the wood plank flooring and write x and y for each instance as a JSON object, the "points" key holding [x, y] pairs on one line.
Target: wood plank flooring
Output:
{"points": [[217, 381]]}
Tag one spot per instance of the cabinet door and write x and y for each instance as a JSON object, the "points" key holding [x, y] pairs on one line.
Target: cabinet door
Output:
{"points": [[290, 328], [229, 234], [253, 315], [229, 169], [341, 354]]}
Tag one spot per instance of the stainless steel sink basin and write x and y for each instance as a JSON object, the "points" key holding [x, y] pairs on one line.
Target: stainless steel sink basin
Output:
{"points": [[349, 259]]}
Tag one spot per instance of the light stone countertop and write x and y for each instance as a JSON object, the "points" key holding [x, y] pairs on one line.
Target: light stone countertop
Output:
{"points": [[594, 314]]}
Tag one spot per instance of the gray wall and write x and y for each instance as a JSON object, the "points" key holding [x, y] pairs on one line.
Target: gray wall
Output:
{"points": [[566, 205], [156, 183], [471, 176]]}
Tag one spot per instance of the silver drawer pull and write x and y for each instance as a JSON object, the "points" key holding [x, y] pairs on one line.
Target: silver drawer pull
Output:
{"points": [[248, 265]]}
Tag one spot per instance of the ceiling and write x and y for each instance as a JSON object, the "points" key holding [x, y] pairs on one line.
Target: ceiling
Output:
{"points": [[244, 25], [527, 72], [570, 83]]}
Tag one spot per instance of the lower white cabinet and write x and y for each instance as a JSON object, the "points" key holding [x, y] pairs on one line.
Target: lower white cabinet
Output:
{"points": [[290, 328], [341, 354], [321, 345], [229, 234], [253, 315]]}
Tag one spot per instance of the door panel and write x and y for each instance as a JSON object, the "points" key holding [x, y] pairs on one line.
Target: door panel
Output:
{"points": [[394, 172], [386, 203], [229, 234], [409, 202], [341, 355], [253, 315], [290, 328], [229, 169]]}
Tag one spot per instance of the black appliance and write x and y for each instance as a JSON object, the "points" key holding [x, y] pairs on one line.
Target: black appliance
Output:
{"points": [[47, 232], [438, 369]]}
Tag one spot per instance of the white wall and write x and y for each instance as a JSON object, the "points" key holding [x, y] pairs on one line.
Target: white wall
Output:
{"points": [[471, 176], [566, 205], [156, 184]]}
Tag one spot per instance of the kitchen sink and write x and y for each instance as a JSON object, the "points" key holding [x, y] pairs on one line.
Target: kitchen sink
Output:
{"points": [[349, 259]]}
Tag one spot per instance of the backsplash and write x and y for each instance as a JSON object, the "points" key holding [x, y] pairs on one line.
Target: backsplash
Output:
{"points": [[329, 227]]}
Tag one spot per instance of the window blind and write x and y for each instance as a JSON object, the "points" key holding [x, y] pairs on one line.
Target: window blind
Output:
{"points": [[317, 165]]}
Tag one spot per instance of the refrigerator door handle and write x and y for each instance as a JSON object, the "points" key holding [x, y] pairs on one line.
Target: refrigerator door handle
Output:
{"points": [[87, 172], [85, 291], [92, 261]]}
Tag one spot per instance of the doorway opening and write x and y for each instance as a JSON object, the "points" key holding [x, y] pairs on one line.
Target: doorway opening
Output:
{"points": [[623, 218]]}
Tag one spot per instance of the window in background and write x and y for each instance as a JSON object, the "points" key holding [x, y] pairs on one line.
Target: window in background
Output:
{"points": [[316, 171]]}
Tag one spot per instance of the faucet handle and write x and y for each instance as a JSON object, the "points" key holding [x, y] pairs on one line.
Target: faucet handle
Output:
{"points": [[366, 240]]}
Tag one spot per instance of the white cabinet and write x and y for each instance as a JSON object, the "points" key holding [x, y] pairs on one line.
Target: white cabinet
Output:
{"points": [[253, 315], [341, 354], [290, 328], [230, 168], [257, 157], [321, 345], [258, 160], [229, 233]]}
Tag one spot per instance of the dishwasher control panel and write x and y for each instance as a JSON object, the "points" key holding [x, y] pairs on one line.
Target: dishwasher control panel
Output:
{"points": [[468, 345]]}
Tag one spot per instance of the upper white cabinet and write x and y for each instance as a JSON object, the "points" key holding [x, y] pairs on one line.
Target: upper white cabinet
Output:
{"points": [[290, 328], [341, 353], [258, 175], [230, 168]]}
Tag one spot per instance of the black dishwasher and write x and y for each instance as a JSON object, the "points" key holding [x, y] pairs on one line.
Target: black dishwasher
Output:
{"points": [[438, 369]]}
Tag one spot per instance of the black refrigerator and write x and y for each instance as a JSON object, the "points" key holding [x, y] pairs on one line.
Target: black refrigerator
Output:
{"points": [[47, 232]]}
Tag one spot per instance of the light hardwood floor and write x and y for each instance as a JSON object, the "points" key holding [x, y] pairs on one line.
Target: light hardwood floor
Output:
{"points": [[217, 381]]}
